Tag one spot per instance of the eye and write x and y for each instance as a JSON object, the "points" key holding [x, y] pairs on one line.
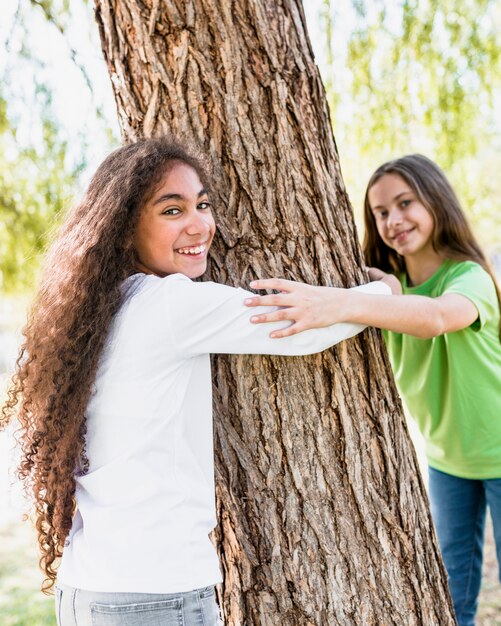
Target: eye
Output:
{"points": [[381, 215], [171, 211], [204, 206], [405, 203]]}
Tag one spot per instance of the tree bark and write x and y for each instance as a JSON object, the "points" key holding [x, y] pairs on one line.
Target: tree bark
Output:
{"points": [[323, 518]]}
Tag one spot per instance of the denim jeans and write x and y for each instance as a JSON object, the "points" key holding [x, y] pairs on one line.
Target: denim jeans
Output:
{"points": [[458, 507], [76, 607]]}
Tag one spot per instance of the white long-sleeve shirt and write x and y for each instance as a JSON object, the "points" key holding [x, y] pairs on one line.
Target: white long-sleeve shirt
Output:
{"points": [[146, 506]]}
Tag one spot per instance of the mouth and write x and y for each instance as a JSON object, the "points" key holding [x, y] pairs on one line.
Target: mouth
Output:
{"points": [[402, 235], [197, 250]]}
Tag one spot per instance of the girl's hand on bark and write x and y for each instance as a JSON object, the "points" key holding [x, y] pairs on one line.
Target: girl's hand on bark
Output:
{"points": [[390, 279], [303, 305]]}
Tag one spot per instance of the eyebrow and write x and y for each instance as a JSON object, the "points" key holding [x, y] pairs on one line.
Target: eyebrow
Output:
{"points": [[178, 196], [381, 206]]}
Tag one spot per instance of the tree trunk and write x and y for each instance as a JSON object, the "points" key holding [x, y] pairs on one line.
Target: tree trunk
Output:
{"points": [[323, 518]]}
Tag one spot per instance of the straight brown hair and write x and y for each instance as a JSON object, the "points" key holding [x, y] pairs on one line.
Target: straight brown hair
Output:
{"points": [[452, 235]]}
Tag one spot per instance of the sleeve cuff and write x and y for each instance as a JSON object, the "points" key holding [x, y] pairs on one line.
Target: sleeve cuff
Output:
{"points": [[376, 288]]}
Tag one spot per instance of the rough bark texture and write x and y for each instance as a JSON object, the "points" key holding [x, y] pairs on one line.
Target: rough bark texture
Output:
{"points": [[323, 518]]}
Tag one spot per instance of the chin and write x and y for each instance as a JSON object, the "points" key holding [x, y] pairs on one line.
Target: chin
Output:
{"points": [[195, 273]]}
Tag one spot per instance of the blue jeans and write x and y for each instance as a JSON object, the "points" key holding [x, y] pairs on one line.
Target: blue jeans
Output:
{"points": [[458, 507], [76, 607]]}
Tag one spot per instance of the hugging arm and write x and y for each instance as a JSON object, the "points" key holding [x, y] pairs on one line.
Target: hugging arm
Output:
{"points": [[309, 307], [211, 318]]}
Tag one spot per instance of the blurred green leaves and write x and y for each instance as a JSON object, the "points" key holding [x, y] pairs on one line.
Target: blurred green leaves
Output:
{"points": [[418, 76], [36, 182], [413, 76], [434, 69], [46, 141], [21, 602]]}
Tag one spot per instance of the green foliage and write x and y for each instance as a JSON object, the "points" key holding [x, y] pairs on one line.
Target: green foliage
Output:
{"points": [[21, 601], [45, 142], [417, 76], [35, 185], [425, 65], [27, 609]]}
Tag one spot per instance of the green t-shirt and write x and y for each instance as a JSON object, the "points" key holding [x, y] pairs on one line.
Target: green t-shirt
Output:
{"points": [[452, 384]]}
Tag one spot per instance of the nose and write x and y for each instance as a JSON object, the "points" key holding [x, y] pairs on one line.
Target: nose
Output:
{"points": [[198, 224], [394, 218]]}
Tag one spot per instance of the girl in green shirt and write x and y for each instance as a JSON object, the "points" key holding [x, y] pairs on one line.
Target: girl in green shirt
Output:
{"points": [[443, 338]]}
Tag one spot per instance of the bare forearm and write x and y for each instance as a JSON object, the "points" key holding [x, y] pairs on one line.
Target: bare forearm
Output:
{"points": [[413, 315], [313, 307]]}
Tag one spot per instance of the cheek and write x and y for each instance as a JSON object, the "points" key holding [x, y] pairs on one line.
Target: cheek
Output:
{"points": [[381, 229], [138, 242], [152, 240], [212, 225], [374, 225], [431, 225]]}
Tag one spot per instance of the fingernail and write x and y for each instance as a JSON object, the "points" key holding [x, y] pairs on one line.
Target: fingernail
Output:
{"points": [[253, 318], [248, 301], [252, 283]]}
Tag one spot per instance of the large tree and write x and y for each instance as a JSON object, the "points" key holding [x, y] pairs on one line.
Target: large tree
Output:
{"points": [[323, 518]]}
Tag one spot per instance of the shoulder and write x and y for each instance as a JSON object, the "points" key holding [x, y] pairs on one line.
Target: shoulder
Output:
{"points": [[458, 268], [179, 291], [467, 275], [471, 280], [149, 285]]}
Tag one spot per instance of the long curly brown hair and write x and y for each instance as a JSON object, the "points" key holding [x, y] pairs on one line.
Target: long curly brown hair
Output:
{"points": [[79, 295]]}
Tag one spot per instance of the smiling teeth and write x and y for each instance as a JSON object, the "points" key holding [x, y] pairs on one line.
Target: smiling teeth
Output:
{"points": [[196, 250]]}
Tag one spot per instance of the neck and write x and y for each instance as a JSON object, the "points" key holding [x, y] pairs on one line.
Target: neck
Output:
{"points": [[420, 269], [139, 267]]}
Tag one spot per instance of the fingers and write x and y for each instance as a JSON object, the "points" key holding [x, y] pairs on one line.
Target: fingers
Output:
{"points": [[286, 332], [280, 284], [287, 314], [274, 299], [375, 273], [275, 316]]}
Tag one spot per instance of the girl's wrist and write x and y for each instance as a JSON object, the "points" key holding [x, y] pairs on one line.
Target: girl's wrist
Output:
{"points": [[341, 305]]}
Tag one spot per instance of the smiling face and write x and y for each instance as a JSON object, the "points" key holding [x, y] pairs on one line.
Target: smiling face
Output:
{"points": [[176, 226], [402, 221]]}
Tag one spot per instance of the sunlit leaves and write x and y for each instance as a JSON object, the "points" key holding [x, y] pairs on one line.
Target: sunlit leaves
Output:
{"points": [[416, 76], [51, 124], [35, 184]]}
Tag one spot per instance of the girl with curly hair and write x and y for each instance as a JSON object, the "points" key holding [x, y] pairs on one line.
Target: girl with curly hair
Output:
{"points": [[113, 393]]}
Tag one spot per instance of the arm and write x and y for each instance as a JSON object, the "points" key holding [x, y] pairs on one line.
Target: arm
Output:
{"points": [[308, 307], [208, 317]]}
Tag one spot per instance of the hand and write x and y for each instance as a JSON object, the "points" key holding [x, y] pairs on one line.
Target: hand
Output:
{"points": [[304, 305], [390, 279]]}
